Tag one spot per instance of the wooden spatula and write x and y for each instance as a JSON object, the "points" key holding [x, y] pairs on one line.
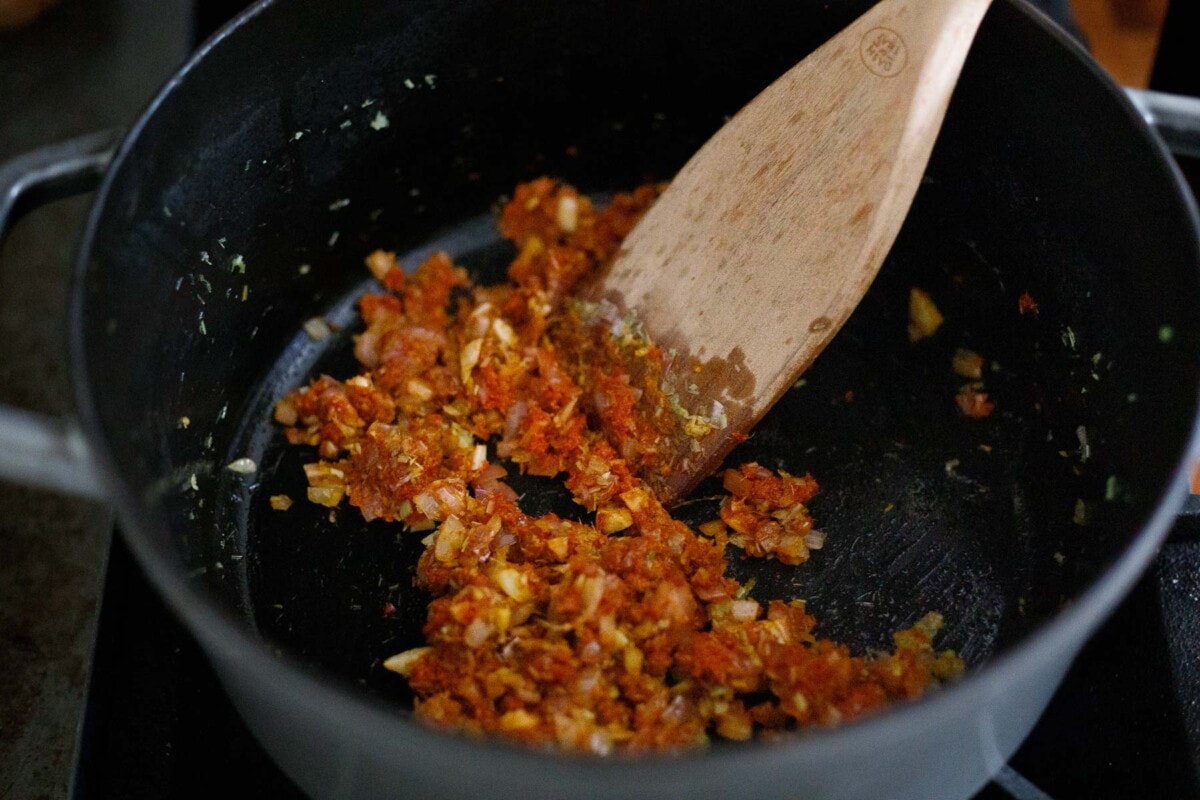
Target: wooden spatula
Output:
{"points": [[765, 242]]}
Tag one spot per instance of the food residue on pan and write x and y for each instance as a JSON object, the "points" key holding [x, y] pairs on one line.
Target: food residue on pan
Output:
{"points": [[621, 633], [971, 399], [974, 403], [924, 318], [967, 364]]}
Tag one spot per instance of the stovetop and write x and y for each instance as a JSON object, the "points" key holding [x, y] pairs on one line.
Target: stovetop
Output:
{"points": [[1125, 723]]}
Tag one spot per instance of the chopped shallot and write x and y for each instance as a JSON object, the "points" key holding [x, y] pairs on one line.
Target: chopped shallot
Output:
{"points": [[619, 632]]}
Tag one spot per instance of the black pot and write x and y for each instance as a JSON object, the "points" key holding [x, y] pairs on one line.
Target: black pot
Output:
{"points": [[221, 227]]}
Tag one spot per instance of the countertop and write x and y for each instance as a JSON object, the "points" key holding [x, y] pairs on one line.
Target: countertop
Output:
{"points": [[85, 66]]}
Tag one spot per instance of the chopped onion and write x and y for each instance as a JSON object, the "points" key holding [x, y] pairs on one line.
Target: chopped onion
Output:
{"points": [[468, 358], [612, 519], [477, 633], [519, 720], [588, 678], [491, 472], [479, 457], [447, 544], [736, 483], [676, 710], [380, 262], [504, 332], [366, 349], [317, 329], [790, 549], [592, 592], [419, 389], [286, 413], [600, 742], [328, 496], [744, 610], [242, 466], [450, 499], [402, 663], [487, 489], [514, 418], [568, 213], [426, 504], [636, 499], [563, 416], [632, 659]]}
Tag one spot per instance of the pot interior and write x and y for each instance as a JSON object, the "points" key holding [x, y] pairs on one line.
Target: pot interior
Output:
{"points": [[226, 225]]}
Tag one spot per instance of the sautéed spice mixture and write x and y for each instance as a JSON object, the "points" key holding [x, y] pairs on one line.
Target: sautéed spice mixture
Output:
{"points": [[620, 635]]}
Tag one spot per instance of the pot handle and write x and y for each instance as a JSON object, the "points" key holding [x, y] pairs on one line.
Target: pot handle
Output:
{"points": [[1176, 118], [36, 449]]}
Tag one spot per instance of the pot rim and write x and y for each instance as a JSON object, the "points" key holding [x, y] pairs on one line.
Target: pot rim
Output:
{"points": [[224, 635]]}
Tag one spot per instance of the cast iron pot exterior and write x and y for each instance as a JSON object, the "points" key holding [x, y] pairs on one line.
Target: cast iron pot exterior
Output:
{"points": [[421, 114]]}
